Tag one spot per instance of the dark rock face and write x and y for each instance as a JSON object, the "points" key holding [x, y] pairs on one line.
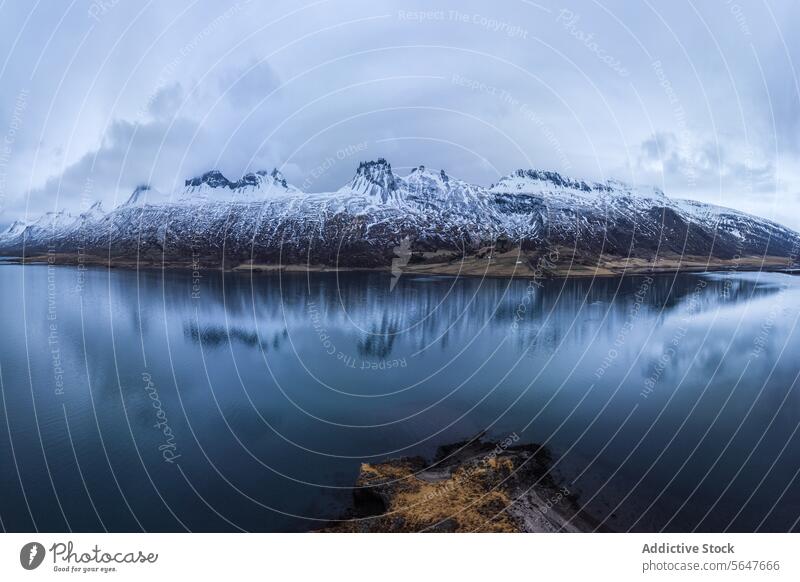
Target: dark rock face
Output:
{"points": [[213, 179], [375, 178]]}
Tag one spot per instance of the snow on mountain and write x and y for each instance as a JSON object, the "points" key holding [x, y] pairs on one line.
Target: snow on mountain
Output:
{"points": [[374, 180], [144, 194], [262, 218], [14, 229], [213, 187], [49, 226], [539, 182], [252, 187], [94, 211]]}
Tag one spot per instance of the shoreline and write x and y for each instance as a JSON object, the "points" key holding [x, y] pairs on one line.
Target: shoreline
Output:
{"points": [[507, 265]]}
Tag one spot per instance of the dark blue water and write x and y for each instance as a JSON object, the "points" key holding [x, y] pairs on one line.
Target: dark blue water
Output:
{"points": [[149, 401]]}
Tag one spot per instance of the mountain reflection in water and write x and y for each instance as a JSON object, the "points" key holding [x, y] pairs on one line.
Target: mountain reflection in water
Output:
{"points": [[668, 401]]}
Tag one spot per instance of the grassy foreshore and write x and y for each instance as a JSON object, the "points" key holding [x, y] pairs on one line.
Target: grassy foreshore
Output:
{"points": [[508, 264]]}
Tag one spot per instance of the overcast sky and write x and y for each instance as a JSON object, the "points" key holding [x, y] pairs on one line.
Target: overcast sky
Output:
{"points": [[699, 98]]}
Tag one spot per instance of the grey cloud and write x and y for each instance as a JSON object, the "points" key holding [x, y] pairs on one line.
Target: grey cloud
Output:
{"points": [[166, 101], [131, 154], [247, 85], [704, 163], [541, 97]]}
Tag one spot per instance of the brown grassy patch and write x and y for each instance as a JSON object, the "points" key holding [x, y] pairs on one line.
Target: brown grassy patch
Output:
{"points": [[469, 500]]}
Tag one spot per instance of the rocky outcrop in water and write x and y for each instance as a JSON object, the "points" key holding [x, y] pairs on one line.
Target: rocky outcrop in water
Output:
{"points": [[473, 486]]}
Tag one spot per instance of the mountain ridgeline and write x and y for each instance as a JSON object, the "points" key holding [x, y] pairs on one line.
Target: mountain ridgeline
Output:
{"points": [[529, 222]]}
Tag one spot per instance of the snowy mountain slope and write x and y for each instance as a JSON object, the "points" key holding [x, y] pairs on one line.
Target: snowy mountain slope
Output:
{"points": [[616, 217], [261, 218], [214, 187], [49, 225]]}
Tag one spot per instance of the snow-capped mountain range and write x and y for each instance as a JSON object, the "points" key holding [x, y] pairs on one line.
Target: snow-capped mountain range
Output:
{"points": [[262, 219]]}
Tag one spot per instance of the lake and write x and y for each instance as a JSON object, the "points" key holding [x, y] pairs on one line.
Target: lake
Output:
{"points": [[168, 402]]}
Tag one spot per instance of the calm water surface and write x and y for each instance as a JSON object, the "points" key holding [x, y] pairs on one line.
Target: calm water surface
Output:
{"points": [[149, 401]]}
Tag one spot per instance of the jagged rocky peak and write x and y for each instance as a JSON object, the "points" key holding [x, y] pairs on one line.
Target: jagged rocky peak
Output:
{"points": [[276, 176], [249, 179], [95, 210], [15, 227], [374, 178], [94, 213], [254, 180], [54, 219], [139, 195], [435, 187], [553, 178], [212, 179], [532, 207], [376, 171], [420, 176], [543, 182], [422, 170]]}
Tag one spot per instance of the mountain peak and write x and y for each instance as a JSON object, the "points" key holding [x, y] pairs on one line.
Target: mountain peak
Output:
{"points": [[54, 219], [276, 176], [530, 208], [374, 178], [553, 178], [212, 178], [544, 182], [249, 179], [421, 170], [138, 196], [374, 168], [254, 180], [96, 208], [15, 227]]}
